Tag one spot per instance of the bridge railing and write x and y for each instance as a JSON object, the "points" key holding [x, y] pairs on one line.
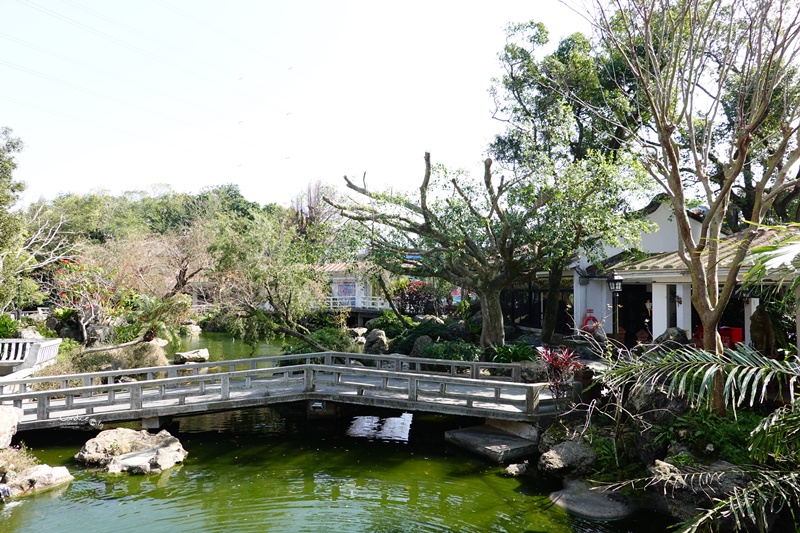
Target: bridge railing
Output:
{"points": [[476, 397], [473, 369]]}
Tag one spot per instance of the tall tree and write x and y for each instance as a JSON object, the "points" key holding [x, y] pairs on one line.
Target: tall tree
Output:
{"points": [[473, 234], [568, 116], [690, 59]]}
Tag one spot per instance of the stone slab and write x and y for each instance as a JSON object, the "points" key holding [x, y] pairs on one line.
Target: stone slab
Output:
{"points": [[492, 443]]}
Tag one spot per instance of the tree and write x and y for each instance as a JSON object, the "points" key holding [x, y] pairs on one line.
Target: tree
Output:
{"points": [[29, 241], [472, 234], [568, 116], [269, 276], [690, 59]]}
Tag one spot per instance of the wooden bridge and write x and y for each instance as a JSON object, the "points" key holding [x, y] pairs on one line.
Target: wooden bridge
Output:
{"points": [[477, 389]]}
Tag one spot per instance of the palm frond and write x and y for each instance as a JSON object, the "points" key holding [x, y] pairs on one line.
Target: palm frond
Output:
{"points": [[768, 493], [689, 372]]}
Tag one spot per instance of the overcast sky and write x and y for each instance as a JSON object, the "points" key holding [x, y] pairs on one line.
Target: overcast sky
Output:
{"points": [[122, 95]]}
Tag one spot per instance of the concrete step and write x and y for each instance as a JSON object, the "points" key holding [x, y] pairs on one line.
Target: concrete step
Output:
{"points": [[492, 443]]}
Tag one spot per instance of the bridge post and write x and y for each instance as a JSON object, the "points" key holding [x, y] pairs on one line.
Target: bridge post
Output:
{"points": [[136, 396], [531, 400], [225, 387], [308, 378], [42, 407], [412, 388]]}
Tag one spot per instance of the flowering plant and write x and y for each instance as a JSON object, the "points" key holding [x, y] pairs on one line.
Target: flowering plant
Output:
{"points": [[561, 365]]}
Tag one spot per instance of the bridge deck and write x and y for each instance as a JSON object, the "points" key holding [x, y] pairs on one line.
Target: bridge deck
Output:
{"points": [[419, 384]]}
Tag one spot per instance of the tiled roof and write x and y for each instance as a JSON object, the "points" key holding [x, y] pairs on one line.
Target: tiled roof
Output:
{"points": [[670, 262]]}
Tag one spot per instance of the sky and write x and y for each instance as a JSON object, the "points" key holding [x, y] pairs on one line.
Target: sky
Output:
{"points": [[129, 95]]}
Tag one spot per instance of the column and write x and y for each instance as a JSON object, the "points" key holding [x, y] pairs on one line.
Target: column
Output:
{"points": [[660, 309], [683, 311]]}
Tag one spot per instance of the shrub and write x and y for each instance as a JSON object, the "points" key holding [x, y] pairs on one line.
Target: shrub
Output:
{"points": [[452, 351], [8, 326], [16, 459], [514, 353], [390, 324], [405, 342]]}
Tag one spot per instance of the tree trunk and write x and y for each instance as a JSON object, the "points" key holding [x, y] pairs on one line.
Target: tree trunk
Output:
{"points": [[553, 299], [713, 343], [493, 332], [389, 299]]}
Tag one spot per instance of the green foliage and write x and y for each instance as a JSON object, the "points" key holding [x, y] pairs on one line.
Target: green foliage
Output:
{"points": [[390, 324], [333, 338], [710, 436], [8, 326], [404, 343], [69, 347], [514, 353], [324, 318], [452, 351]]}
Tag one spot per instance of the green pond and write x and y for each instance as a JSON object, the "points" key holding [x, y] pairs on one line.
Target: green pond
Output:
{"points": [[278, 471]]}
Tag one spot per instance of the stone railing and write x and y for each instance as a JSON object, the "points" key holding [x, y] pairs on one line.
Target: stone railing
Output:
{"points": [[22, 354]]}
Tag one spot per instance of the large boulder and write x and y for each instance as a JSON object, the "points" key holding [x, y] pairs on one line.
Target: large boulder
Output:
{"points": [[200, 355], [9, 418], [568, 458], [99, 334], [673, 338], [377, 342], [685, 492], [29, 333], [580, 499], [128, 450], [36, 479], [420, 344]]}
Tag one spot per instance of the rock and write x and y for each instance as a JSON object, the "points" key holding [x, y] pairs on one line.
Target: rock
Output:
{"points": [[360, 341], [653, 407], [9, 418], [37, 478], [161, 343], [569, 458], [28, 333], [578, 498], [357, 332], [428, 318], [69, 331], [99, 334], [372, 323], [137, 452], [674, 337], [684, 495], [194, 356], [52, 323], [459, 330], [191, 329], [516, 470], [419, 345], [377, 342], [533, 372]]}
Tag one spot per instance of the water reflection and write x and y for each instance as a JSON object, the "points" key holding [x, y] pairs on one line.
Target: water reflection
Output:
{"points": [[394, 429]]}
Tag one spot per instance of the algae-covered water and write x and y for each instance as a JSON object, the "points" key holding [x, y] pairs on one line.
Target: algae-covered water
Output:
{"points": [[277, 471]]}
